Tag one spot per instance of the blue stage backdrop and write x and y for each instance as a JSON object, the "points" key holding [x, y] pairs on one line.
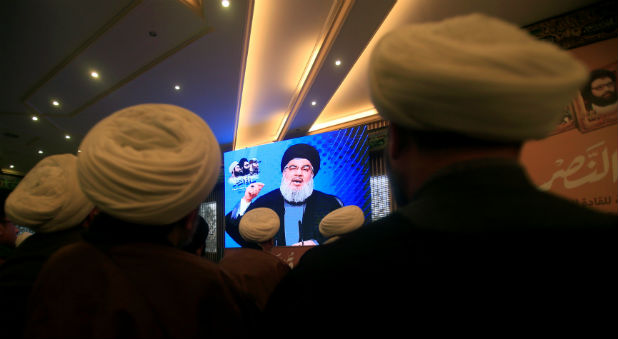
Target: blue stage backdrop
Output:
{"points": [[344, 169]]}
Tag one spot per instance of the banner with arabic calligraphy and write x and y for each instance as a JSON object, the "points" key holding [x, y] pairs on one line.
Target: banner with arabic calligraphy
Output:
{"points": [[580, 161]]}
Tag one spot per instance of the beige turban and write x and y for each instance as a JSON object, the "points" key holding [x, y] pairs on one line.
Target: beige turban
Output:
{"points": [[341, 221], [149, 164], [259, 225], [475, 75], [48, 198]]}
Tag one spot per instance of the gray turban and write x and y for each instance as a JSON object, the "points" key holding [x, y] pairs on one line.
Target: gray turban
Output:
{"points": [[475, 75], [149, 164], [341, 221], [48, 198], [259, 225]]}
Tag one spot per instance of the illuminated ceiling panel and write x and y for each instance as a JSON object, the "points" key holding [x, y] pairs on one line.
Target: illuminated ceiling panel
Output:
{"points": [[51, 51], [352, 98], [282, 47]]}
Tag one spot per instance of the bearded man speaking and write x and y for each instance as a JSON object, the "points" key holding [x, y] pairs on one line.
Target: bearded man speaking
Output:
{"points": [[300, 208]]}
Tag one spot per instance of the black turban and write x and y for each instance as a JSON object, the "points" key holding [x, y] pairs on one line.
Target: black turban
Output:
{"points": [[303, 151]]}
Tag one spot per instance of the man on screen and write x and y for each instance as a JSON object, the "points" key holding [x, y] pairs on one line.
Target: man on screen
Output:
{"points": [[244, 166], [299, 207], [254, 166]]}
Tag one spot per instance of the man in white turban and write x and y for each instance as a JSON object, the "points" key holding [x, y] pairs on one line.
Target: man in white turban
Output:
{"points": [[259, 226], [146, 168], [341, 221], [474, 246], [47, 200], [256, 271], [236, 173]]}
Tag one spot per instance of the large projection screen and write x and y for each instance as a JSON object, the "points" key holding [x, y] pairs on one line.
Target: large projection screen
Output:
{"points": [[343, 175]]}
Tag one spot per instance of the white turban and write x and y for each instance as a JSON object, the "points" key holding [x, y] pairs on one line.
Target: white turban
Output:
{"points": [[149, 164], [259, 225], [475, 75], [48, 198], [232, 165], [341, 221]]}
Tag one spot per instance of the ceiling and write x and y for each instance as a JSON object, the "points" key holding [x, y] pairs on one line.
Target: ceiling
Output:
{"points": [[255, 71]]}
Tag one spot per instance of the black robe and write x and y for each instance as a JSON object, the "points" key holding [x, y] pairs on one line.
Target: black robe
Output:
{"points": [[128, 281], [18, 274], [479, 250]]}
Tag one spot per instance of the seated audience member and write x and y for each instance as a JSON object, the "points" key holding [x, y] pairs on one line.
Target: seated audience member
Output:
{"points": [[146, 168], [47, 200], [197, 244], [256, 271], [474, 247], [341, 222], [260, 227], [8, 235]]}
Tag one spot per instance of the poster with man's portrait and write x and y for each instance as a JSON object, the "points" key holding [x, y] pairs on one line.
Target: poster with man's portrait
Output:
{"points": [[580, 161], [590, 35], [597, 104]]}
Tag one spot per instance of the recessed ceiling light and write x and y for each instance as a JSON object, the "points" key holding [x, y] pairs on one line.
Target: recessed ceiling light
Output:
{"points": [[40, 152], [337, 62], [177, 87], [225, 3], [313, 103], [94, 74], [35, 118], [66, 136], [55, 103]]}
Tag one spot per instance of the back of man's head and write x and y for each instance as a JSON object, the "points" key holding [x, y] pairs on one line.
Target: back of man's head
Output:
{"points": [[48, 198], [197, 244], [259, 225], [149, 164], [473, 76], [341, 221]]}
